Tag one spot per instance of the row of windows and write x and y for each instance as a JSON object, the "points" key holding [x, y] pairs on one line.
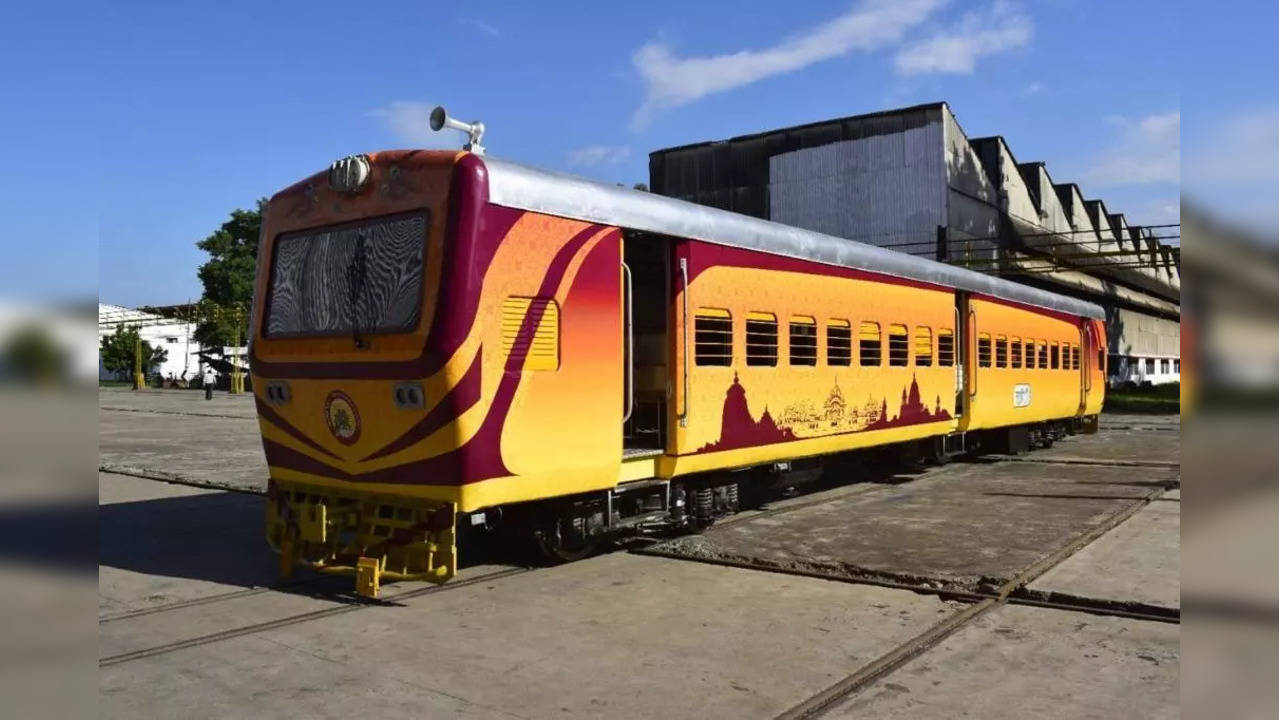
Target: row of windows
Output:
{"points": [[713, 341], [713, 344], [1029, 353], [1148, 365]]}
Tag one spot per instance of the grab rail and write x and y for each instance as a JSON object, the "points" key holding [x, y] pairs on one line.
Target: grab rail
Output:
{"points": [[975, 363], [630, 344], [683, 271]]}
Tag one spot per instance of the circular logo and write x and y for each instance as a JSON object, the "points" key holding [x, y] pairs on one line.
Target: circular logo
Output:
{"points": [[342, 417]]}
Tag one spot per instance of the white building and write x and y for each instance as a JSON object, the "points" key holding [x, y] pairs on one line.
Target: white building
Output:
{"points": [[175, 336]]}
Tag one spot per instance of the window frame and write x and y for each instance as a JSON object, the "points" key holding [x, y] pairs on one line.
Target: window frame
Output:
{"points": [[863, 340], [898, 345], [1001, 351], [947, 360], [714, 315], [1014, 353], [984, 358], [925, 333], [754, 320], [847, 341], [796, 322]]}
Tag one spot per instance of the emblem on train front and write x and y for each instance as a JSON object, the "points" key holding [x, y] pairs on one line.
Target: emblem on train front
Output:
{"points": [[342, 418]]}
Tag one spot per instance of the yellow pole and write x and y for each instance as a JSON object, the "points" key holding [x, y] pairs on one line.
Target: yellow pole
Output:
{"points": [[138, 380], [237, 375]]}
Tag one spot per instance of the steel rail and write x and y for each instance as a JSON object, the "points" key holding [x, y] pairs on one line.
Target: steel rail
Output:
{"points": [[300, 618]]}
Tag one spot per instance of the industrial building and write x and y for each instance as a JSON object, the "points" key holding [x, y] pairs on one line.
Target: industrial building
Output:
{"points": [[911, 180]]}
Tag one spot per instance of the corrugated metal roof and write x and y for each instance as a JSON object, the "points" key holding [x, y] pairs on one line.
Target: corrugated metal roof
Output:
{"points": [[526, 188]]}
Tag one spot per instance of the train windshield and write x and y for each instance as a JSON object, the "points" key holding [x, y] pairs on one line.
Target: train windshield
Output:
{"points": [[353, 278]]}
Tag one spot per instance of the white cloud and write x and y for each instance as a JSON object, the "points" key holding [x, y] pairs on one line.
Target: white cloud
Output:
{"points": [[672, 81], [486, 28], [593, 155], [1003, 26], [1034, 88], [410, 122], [1148, 151]]}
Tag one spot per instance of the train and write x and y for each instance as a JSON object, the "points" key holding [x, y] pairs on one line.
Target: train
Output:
{"points": [[444, 341]]}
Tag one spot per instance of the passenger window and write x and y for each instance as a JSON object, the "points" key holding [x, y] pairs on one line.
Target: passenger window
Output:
{"points": [[983, 350], [713, 337], [869, 345], [1043, 355], [1074, 357], [898, 346], [1015, 351], [761, 339], [923, 346], [1001, 351], [803, 340], [945, 348], [839, 343], [1054, 351]]}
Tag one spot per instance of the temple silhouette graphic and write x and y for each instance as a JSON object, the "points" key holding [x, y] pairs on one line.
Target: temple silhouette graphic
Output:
{"points": [[835, 416]]}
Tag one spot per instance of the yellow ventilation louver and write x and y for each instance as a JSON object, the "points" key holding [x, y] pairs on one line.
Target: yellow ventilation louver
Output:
{"points": [[542, 347]]}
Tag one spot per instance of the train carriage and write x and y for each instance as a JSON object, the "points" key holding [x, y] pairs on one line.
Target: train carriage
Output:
{"points": [[444, 337]]}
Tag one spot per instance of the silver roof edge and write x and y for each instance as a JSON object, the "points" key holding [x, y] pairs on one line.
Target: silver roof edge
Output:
{"points": [[522, 187]]}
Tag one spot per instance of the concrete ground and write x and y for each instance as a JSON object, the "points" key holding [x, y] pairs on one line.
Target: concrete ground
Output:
{"points": [[961, 527], [1034, 663], [1138, 562], [194, 619], [180, 435]]}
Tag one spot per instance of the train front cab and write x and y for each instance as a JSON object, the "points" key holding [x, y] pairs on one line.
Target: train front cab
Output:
{"points": [[505, 385]]}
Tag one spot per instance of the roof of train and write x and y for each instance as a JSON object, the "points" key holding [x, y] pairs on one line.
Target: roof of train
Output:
{"points": [[526, 188]]}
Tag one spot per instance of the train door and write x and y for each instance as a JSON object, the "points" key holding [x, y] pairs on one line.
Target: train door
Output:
{"points": [[646, 275], [1085, 361], [964, 360]]}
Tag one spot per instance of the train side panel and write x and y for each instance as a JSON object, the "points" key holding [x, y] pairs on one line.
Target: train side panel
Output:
{"points": [[810, 400], [1024, 365]]}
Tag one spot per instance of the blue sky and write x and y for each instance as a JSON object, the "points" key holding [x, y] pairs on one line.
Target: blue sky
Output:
{"points": [[152, 121]]}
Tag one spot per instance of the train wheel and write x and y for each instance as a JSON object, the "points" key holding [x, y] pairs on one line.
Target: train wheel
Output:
{"points": [[562, 541], [937, 451]]}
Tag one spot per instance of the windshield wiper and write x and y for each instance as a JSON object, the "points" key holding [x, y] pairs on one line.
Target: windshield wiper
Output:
{"points": [[356, 276]]}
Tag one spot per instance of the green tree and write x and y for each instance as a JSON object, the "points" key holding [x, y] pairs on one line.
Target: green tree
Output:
{"points": [[31, 354], [118, 348], [228, 276]]}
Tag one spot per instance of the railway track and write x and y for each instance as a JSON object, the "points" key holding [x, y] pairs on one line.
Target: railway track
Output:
{"points": [[322, 582], [1011, 592], [295, 619]]}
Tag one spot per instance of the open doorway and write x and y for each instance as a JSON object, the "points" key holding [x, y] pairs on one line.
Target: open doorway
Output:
{"points": [[647, 256]]}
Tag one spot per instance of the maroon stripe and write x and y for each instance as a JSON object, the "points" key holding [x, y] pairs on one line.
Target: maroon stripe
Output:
{"points": [[266, 413], [704, 256], [487, 443], [459, 398], [1055, 314]]}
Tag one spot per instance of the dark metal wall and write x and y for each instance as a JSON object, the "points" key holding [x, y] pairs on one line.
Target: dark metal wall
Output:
{"points": [[734, 174]]}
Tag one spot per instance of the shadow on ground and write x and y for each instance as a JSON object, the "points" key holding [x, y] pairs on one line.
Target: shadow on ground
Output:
{"points": [[214, 537]]}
